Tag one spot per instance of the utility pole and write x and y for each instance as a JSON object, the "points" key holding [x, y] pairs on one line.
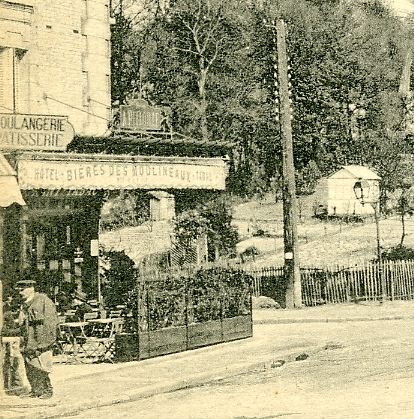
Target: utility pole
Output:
{"points": [[2, 392], [290, 206]]}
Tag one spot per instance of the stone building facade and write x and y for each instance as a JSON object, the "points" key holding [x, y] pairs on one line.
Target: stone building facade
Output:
{"points": [[55, 60]]}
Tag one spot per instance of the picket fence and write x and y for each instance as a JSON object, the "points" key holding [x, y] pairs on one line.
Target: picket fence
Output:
{"points": [[339, 285]]}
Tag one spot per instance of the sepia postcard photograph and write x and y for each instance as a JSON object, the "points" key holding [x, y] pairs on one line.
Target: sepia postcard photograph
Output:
{"points": [[206, 209]]}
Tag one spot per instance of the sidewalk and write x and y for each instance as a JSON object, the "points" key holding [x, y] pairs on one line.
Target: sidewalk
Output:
{"points": [[278, 334], [363, 311]]}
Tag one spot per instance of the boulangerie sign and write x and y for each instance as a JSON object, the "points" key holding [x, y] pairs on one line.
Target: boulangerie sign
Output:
{"points": [[35, 132]]}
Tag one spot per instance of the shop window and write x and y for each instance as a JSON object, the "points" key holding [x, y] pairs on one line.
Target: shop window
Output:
{"points": [[66, 266], [40, 247], [53, 265]]}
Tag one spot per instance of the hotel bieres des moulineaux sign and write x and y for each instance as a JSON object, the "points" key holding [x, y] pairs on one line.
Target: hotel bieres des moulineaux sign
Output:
{"points": [[125, 173]]}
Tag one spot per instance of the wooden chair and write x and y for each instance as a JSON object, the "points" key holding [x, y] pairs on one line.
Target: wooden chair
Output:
{"points": [[60, 347], [71, 342], [101, 343], [70, 315]]}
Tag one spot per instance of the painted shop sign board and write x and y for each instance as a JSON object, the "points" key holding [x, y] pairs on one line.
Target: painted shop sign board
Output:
{"points": [[69, 174], [35, 132]]}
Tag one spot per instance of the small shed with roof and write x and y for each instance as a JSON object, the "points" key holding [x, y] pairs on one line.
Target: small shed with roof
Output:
{"points": [[341, 199], [162, 205]]}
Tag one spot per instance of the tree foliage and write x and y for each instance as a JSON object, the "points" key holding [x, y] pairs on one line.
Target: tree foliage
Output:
{"points": [[345, 66], [222, 236], [213, 219], [125, 59], [118, 277], [125, 210], [190, 45], [212, 61], [189, 226]]}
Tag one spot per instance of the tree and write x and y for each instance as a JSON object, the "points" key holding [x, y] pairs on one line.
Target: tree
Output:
{"points": [[222, 236], [212, 62], [199, 62], [405, 206], [307, 179], [189, 226], [129, 208], [129, 36], [346, 108], [191, 42], [118, 277], [125, 58], [213, 219], [345, 68]]}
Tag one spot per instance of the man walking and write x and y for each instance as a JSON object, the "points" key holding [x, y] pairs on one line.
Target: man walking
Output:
{"points": [[39, 321]]}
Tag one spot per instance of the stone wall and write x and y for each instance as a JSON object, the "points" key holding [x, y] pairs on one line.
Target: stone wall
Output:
{"points": [[139, 242]]}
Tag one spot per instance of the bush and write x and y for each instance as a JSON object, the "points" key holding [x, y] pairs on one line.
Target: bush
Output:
{"points": [[118, 277], [264, 302], [185, 297], [177, 297], [398, 252], [249, 253], [162, 302], [219, 292]]}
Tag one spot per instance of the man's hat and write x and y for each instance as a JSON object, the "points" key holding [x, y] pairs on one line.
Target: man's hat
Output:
{"points": [[25, 283]]}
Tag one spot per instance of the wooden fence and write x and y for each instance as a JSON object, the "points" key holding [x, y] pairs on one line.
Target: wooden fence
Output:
{"points": [[338, 285]]}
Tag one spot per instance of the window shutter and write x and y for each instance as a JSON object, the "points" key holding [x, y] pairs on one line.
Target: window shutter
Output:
{"points": [[16, 80], [6, 79], [2, 79]]}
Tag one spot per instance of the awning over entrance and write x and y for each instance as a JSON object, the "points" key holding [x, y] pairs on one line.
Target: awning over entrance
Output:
{"points": [[73, 171], [9, 189]]}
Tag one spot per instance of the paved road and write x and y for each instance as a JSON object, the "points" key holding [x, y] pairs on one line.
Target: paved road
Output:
{"points": [[366, 372]]}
